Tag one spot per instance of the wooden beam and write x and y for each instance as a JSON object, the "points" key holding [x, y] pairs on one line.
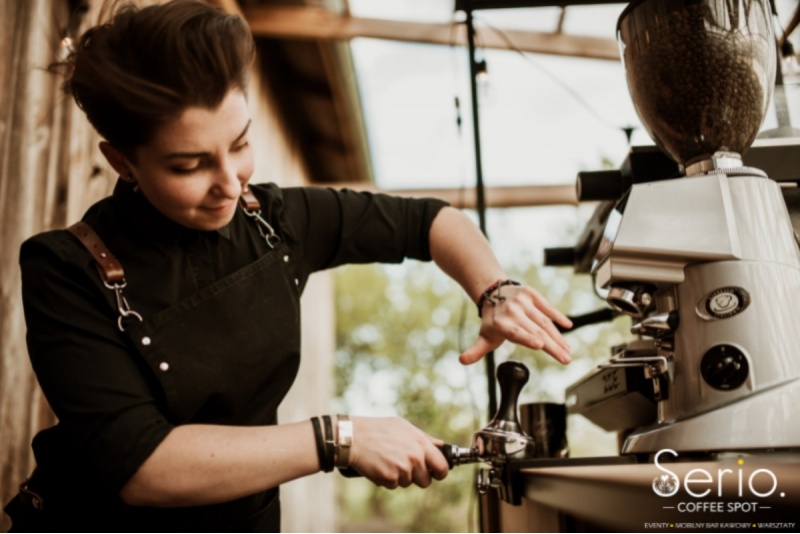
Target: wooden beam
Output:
{"points": [[504, 4], [496, 197], [292, 22]]}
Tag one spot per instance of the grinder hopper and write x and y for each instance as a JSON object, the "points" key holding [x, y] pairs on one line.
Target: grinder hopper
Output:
{"points": [[700, 73]]}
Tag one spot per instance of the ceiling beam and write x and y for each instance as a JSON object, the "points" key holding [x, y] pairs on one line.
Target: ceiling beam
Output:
{"points": [[503, 4], [496, 197], [291, 22]]}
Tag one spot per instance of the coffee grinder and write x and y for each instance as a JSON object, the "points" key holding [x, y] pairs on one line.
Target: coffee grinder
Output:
{"points": [[706, 263]]}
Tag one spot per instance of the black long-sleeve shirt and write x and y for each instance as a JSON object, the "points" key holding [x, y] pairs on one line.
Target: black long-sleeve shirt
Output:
{"points": [[112, 409]]}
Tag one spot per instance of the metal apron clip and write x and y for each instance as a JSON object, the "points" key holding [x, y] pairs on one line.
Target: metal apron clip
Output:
{"points": [[123, 308], [29, 497], [252, 208]]}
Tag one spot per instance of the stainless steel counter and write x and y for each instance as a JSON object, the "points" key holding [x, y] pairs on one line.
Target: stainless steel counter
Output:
{"points": [[737, 493]]}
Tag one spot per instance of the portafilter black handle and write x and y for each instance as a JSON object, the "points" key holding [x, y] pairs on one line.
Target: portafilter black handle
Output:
{"points": [[453, 454]]}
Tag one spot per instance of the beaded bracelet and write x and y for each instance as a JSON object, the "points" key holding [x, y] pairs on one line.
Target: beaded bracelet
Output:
{"points": [[492, 295]]}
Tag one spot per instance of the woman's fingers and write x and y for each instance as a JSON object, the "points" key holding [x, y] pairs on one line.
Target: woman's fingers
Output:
{"points": [[393, 453], [435, 461], [542, 304], [478, 350], [522, 316]]}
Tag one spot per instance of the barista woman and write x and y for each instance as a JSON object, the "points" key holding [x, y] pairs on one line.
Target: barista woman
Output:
{"points": [[166, 390]]}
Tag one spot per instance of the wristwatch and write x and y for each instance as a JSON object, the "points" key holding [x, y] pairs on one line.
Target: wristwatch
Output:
{"points": [[344, 440]]}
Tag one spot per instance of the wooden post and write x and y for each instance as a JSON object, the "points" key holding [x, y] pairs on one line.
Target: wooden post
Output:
{"points": [[50, 171], [31, 135]]}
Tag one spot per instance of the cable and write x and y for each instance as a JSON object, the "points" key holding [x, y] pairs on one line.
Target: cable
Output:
{"points": [[555, 79], [791, 26]]}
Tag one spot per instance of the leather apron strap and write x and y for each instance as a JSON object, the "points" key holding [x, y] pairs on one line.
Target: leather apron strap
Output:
{"points": [[108, 265], [110, 269]]}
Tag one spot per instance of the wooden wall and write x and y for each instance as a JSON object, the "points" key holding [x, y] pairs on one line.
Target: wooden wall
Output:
{"points": [[35, 130], [50, 172]]}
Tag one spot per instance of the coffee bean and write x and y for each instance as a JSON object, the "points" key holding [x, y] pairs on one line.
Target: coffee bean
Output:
{"points": [[700, 74]]}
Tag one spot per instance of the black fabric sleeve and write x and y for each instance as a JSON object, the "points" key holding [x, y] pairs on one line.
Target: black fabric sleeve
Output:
{"points": [[338, 227], [109, 420]]}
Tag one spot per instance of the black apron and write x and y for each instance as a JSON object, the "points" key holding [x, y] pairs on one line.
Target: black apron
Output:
{"points": [[227, 354]]}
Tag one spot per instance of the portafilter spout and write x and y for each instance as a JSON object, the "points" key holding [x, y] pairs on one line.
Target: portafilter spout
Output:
{"points": [[503, 437]]}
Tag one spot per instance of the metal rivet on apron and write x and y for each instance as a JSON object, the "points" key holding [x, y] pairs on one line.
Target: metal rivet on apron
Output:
{"points": [[296, 282], [103, 254], [286, 259], [145, 341], [164, 366]]}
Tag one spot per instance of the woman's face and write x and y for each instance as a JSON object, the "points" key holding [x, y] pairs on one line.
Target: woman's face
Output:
{"points": [[194, 168]]}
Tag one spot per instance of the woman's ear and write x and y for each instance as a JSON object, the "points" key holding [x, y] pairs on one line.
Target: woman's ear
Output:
{"points": [[117, 160]]}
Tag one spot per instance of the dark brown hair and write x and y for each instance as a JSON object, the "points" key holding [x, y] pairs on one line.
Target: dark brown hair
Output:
{"points": [[146, 65]]}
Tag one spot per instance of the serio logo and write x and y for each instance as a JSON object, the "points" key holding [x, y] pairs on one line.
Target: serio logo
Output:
{"points": [[666, 485], [700, 483]]}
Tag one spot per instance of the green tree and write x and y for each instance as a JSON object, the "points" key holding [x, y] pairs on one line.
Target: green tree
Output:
{"points": [[397, 349], [399, 332]]}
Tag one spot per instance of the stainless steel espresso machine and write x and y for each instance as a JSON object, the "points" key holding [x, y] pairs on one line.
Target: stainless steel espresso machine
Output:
{"points": [[697, 245], [702, 254], [694, 242]]}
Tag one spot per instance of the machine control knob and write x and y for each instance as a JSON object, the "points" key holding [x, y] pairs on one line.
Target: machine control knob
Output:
{"points": [[724, 367]]}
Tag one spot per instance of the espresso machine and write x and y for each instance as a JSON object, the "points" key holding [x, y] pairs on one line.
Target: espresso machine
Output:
{"points": [[692, 240], [699, 249]]}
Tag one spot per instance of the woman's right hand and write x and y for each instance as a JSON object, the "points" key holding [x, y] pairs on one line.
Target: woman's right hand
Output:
{"points": [[392, 452]]}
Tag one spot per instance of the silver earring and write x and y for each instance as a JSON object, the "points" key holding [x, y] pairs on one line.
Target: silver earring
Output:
{"points": [[132, 180]]}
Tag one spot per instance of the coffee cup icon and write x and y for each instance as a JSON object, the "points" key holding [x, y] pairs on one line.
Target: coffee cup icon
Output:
{"points": [[724, 303]]}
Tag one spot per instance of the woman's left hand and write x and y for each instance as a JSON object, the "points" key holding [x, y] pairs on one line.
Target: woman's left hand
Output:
{"points": [[523, 316]]}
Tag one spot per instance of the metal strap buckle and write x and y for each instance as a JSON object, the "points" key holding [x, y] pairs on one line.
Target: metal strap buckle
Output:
{"points": [[123, 308], [30, 497], [264, 228]]}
